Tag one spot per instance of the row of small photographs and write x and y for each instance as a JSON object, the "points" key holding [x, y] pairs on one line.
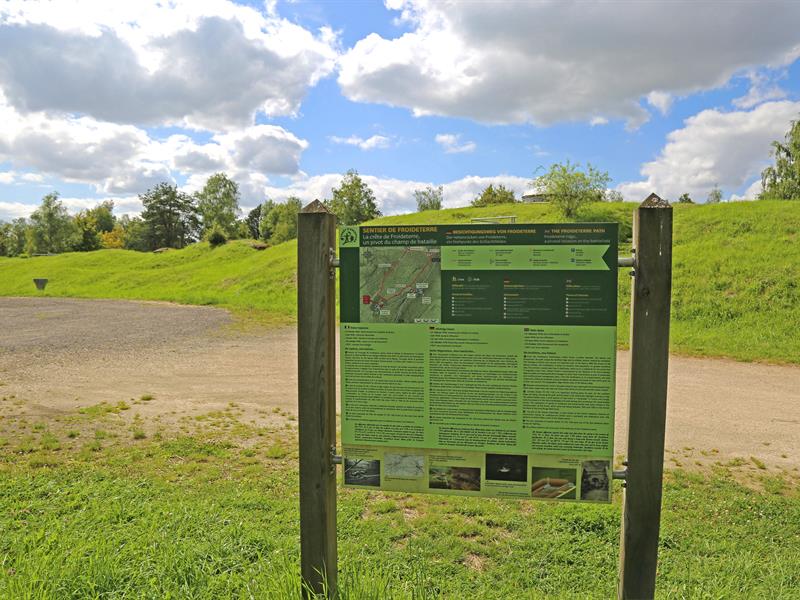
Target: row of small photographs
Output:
{"points": [[546, 482]]}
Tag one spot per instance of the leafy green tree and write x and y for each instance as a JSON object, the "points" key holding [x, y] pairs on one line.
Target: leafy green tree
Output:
{"points": [[614, 196], [6, 231], [19, 234], [429, 199], [685, 199], [781, 181], [218, 204], [134, 233], [494, 195], [170, 217], [87, 236], [353, 201], [281, 220], [51, 228], [12, 237], [569, 187], [714, 196], [103, 215], [252, 222], [264, 223]]}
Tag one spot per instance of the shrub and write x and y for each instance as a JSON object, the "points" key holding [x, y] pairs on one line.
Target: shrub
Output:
{"points": [[216, 237]]}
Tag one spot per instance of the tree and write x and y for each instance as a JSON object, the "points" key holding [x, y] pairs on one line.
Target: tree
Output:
{"points": [[569, 187], [114, 238], [714, 196], [494, 195], [19, 228], [281, 220], [614, 196], [353, 202], [135, 233], [218, 204], [429, 199], [264, 223], [12, 237], [87, 236], [781, 181], [6, 240], [252, 222], [103, 215], [170, 217], [51, 227], [685, 199]]}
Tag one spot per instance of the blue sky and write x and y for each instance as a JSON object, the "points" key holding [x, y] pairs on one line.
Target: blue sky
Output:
{"points": [[100, 100]]}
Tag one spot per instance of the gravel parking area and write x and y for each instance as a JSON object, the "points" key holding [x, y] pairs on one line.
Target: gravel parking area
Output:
{"points": [[58, 355]]}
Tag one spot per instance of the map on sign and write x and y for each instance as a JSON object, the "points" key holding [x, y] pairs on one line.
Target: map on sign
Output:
{"points": [[400, 285]]}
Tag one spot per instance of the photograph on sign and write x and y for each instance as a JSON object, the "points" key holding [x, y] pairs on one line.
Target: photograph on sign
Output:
{"points": [[479, 359]]}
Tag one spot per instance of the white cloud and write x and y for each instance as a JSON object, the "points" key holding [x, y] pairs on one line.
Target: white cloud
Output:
{"points": [[452, 143], [123, 159], [762, 89], [545, 62], [463, 191], [595, 121], [371, 143], [396, 196], [211, 64], [751, 193], [714, 148], [128, 205], [660, 100], [14, 210], [9, 177]]}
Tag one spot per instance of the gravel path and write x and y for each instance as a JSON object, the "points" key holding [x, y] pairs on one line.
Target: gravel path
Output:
{"points": [[57, 355]]}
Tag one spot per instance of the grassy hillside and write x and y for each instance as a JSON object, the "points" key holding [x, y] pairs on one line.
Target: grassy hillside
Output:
{"points": [[234, 276], [736, 274]]}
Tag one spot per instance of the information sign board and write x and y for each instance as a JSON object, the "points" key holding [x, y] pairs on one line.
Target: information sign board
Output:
{"points": [[479, 359]]}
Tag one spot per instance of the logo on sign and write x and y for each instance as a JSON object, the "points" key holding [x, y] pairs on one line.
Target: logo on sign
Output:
{"points": [[348, 236]]}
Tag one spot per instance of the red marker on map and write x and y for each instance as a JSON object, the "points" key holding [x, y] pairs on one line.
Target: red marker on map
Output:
{"points": [[366, 299]]}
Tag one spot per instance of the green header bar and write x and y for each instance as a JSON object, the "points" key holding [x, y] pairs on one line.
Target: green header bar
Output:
{"points": [[555, 257]]}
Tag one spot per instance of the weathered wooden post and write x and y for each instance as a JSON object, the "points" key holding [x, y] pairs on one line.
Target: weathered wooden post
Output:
{"points": [[650, 312], [316, 357]]}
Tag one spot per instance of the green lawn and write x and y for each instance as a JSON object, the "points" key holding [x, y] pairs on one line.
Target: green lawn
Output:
{"points": [[209, 509], [736, 274]]}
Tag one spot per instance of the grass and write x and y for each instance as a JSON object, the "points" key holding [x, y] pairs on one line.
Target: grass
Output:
{"points": [[735, 277], [212, 514], [253, 283]]}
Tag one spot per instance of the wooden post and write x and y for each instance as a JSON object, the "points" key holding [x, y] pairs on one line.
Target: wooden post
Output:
{"points": [[316, 375], [650, 305]]}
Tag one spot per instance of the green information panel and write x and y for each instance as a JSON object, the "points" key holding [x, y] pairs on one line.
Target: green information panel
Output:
{"points": [[479, 359]]}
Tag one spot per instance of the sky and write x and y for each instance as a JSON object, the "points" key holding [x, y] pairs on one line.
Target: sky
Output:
{"points": [[102, 100]]}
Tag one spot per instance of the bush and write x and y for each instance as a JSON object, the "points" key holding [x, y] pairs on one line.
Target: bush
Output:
{"points": [[216, 237]]}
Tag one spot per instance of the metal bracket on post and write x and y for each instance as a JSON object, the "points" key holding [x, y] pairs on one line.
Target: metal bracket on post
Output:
{"points": [[333, 262], [336, 459], [626, 261]]}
